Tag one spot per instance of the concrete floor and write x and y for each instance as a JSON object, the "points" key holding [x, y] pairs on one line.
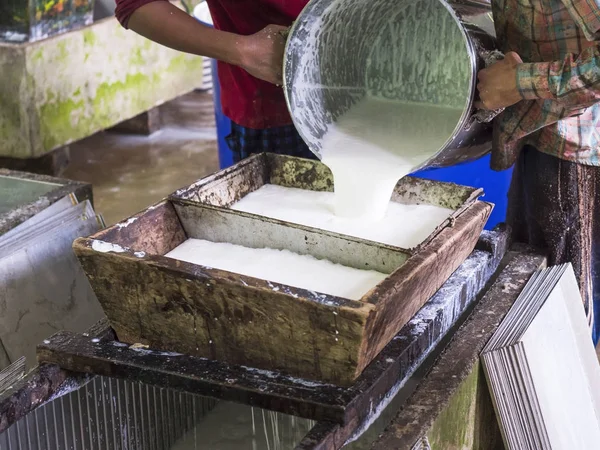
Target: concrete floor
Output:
{"points": [[129, 172]]}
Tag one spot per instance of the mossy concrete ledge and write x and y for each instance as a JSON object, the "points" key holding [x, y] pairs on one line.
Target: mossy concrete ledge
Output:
{"points": [[65, 88]]}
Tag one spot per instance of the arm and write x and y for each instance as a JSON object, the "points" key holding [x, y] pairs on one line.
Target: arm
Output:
{"points": [[260, 54], [164, 23], [574, 81]]}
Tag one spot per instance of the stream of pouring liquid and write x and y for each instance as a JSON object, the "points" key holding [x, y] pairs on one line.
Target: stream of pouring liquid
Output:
{"points": [[375, 144]]}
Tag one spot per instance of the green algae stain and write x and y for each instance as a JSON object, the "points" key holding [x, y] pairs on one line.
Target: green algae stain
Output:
{"points": [[454, 427], [63, 121], [38, 55], [185, 63], [89, 38], [108, 94], [63, 52], [136, 58], [178, 63], [58, 119], [50, 96]]}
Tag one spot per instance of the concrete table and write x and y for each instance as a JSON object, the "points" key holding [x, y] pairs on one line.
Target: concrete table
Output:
{"points": [[68, 87]]}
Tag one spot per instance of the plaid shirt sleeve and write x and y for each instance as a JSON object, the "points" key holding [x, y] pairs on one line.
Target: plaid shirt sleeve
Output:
{"points": [[575, 80], [586, 13]]}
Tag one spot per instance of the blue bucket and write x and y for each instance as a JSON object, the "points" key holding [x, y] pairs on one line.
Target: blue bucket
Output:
{"points": [[223, 123], [478, 174]]}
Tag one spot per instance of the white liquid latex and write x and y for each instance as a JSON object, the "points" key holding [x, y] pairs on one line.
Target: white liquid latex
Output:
{"points": [[280, 266], [403, 226], [375, 144]]}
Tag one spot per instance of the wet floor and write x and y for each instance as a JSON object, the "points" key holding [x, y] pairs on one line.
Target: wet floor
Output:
{"points": [[130, 172]]}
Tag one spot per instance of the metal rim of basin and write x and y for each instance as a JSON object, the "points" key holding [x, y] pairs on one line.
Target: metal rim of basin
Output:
{"points": [[289, 70]]}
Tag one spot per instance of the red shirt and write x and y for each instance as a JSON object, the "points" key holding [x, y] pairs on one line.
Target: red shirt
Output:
{"points": [[247, 101]]}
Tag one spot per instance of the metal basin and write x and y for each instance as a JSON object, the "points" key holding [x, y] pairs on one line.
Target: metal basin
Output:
{"points": [[422, 52]]}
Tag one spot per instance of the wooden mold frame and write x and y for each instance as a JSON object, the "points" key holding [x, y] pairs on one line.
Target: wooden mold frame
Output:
{"points": [[177, 306]]}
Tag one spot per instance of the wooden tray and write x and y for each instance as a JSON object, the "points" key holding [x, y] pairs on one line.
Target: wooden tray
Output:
{"points": [[177, 306]]}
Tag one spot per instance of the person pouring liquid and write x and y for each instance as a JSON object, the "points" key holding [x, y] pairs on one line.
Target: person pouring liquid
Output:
{"points": [[248, 41], [549, 83]]}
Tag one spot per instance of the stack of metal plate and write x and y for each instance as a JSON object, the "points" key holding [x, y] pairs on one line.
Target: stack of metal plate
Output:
{"points": [[542, 367], [43, 287]]}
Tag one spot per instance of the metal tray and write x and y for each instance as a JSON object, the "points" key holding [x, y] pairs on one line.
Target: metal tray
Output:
{"points": [[224, 188]]}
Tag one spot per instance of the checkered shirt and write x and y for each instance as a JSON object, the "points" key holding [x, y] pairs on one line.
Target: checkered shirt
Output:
{"points": [[559, 80], [285, 140]]}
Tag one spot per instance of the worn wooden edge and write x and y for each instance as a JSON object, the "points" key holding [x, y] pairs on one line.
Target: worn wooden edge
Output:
{"points": [[303, 170], [423, 273], [275, 391], [332, 436], [195, 191], [259, 388], [156, 230], [108, 233], [82, 191], [42, 383], [453, 366]]}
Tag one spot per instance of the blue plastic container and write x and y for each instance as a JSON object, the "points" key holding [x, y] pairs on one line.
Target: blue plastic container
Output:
{"points": [[223, 123], [478, 174], [202, 15]]}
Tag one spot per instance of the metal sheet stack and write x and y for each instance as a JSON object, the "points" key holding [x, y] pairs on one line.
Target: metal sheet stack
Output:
{"points": [[542, 367], [43, 287]]}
